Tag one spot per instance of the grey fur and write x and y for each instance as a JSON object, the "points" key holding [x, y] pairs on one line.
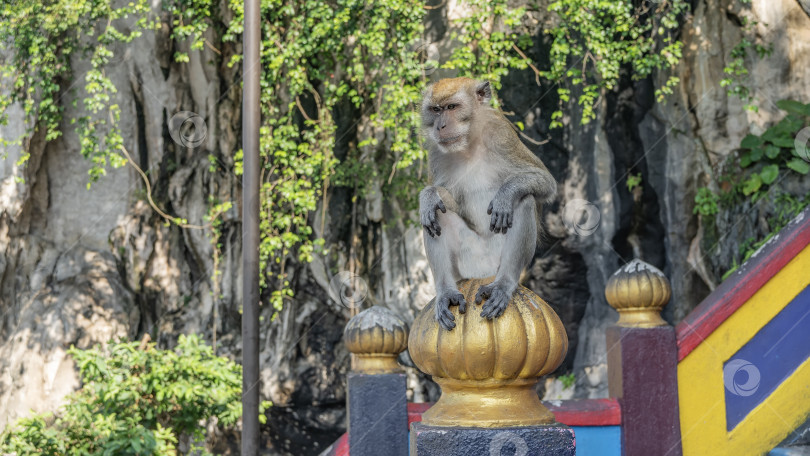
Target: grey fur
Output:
{"points": [[481, 213]]}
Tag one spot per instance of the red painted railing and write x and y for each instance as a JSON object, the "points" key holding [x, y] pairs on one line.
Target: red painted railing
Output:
{"points": [[737, 289]]}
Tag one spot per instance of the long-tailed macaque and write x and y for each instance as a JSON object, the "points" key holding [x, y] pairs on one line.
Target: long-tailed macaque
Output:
{"points": [[481, 211]]}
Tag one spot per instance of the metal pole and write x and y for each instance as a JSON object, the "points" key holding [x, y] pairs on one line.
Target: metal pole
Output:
{"points": [[251, 71]]}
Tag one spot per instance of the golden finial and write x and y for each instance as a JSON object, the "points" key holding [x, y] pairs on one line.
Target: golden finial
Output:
{"points": [[488, 369], [376, 336], [638, 291]]}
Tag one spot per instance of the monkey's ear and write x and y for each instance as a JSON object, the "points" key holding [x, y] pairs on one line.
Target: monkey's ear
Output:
{"points": [[427, 94], [483, 92]]}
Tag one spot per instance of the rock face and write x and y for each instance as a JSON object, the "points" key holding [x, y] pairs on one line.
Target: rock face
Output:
{"points": [[82, 266]]}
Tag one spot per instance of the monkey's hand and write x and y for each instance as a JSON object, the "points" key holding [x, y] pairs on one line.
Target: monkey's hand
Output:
{"points": [[501, 213], [429, 203], [497, 297], [444, 300]]}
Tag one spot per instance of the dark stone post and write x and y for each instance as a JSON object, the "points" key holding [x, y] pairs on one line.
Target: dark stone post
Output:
{"points": [[643, 361], [546, 440], [377, 405]]}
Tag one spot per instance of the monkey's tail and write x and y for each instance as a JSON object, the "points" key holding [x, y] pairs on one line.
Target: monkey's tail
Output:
{"points": [[543, 238]]}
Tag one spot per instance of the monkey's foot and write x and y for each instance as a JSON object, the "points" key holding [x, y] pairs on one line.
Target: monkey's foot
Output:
{"points": [[444, 300], [497, 297]]}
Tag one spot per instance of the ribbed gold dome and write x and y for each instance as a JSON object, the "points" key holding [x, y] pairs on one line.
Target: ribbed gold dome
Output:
{"points": [[376, 336], [488, 368], [638, 291]]}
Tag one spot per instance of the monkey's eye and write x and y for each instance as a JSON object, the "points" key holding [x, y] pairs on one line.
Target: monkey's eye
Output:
{"points": [[436, 109], [452, 106]]}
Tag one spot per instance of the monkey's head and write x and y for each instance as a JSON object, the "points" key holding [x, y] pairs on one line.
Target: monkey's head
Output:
{"points": [[448, 110]]}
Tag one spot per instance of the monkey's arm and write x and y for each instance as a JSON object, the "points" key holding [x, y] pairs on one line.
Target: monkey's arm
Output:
{"points": [[536, 182], [526, 174], [431, 199]]}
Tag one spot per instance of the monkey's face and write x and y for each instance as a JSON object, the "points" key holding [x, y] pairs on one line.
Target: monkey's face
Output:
{"points": [[448, 110], [448, 124]]}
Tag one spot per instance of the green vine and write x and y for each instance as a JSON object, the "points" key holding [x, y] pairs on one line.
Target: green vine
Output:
{"points": [[736, 71], [596, 39], [190, 20], [316, 57], [44, 35], [491, 46]]}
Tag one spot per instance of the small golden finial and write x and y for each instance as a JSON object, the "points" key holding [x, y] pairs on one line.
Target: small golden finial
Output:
{"points": [[638, 291], [376, 336]]}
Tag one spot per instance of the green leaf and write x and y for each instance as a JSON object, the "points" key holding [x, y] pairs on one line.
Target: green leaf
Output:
{"points": [[771, 151], [784, 131], [786, 142], [769, 174], [745, 159], [756, 154], [751, 141], [752, 185], [790, 124], [799, 165], [794, 107]]}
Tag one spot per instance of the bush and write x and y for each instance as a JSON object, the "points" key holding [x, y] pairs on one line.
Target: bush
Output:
{"points": [[135, 401]]}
